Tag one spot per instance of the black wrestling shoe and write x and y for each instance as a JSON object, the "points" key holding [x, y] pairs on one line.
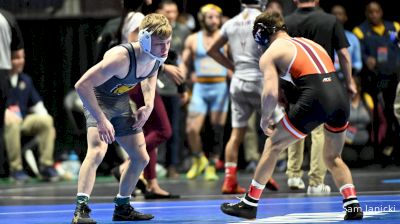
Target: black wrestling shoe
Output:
{"points": [[127, 213], [240, 209], [82, 215], [353, 212], [151, 195]]}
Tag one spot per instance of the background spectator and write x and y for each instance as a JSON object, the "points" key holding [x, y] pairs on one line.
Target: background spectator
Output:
{"points": [[397, 103], [172, 95], [359, 135], [381, 57], [354, 49], [26, 115], [311, 22], [10, 41]]}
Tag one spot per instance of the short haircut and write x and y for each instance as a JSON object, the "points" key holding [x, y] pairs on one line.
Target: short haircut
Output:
{"points": [[270, 19], [157, 23], [166, 2]]}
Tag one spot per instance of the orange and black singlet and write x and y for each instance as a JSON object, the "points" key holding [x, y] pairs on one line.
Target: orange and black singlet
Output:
{"points": [[322, 98]]}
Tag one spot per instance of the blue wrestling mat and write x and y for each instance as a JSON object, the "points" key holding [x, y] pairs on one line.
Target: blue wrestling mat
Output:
{"points": [[378, 209]]}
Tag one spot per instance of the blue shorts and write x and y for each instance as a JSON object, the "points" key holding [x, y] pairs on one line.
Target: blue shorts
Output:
{"points": [[209, 97], [118, 111]]}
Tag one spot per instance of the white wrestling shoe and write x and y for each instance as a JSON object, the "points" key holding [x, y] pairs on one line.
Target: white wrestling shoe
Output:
{"points": [[321, 189], [296, 183]]}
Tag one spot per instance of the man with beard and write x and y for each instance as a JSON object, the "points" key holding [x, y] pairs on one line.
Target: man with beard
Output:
{"points": [[210, 92]]}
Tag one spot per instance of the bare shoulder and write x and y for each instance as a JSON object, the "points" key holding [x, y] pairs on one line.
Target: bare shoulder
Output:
{"points": [[117, 56], [276, 51], [191, 39], [116, 59], [117, 51], [280, 43], [280, 47]]}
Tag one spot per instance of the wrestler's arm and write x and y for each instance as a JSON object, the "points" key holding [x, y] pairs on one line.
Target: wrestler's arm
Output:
{"points": [[217, 55], [269, 98], [115, 63]]}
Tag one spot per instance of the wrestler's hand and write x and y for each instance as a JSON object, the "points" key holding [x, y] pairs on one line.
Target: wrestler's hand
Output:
{"points": [[267, 125], [11, 117], [142, 114], [184, 97], [352, 88], [106, 131], [175, 73]]}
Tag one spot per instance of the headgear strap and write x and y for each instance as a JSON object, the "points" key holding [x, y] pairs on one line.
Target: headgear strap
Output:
{"points": [[262, 33], [145, 43]]}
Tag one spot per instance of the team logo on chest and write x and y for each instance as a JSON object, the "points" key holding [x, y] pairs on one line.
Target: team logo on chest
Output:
{"points": [[122, 88]]}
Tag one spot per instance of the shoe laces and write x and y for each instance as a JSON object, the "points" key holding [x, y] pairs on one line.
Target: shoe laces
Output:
{"points": [[324, 188], [84, 209], [131, 210], [127, 207], [237, 197]]}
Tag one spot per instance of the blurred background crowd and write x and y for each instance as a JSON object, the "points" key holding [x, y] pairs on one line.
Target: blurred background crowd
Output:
{"points": [[63, 38]]}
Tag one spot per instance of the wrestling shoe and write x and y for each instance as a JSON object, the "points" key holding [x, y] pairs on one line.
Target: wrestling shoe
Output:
{"points": [[210, 174], [353, 211], [82, 215], [198, 165], [232, 187], [296, 183], [320, 189], [240, 209], [272, 185], [126, 212]]}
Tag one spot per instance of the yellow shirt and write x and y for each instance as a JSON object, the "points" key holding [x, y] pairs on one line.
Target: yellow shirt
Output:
{"points": [[379, 29]]}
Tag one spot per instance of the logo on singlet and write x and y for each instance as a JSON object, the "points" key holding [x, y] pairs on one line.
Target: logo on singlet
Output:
{"points": [[121, 89], [327, 79]]}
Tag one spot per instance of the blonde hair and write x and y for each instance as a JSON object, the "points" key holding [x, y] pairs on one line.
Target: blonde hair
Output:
{"points": [[158, 24], [205, 9]]}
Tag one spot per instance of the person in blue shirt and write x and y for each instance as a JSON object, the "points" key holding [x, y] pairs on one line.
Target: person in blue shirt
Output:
{"points": [[381, 56], [354, 49], [26, 115], [10, 41], [209, 94]]}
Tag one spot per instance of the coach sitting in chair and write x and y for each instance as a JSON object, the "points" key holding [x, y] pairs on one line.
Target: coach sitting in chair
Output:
{"points": [[26, 115]]}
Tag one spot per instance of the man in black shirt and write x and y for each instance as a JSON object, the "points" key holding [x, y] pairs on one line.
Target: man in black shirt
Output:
{"points": [[311, 22]]}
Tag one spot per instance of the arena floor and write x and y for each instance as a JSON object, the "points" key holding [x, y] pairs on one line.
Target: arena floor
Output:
{"points": [[37, 202]]}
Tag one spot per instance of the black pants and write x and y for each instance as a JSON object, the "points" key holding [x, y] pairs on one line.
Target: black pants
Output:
{"points": [[4, 86], [383, 90]]}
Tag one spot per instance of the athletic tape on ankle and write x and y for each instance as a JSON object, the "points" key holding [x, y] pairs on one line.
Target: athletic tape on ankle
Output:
{"points": [[348, 191], [257, 185], [120, 196], [230, 171], [255, 190], [83, 194], [230, 164]]}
